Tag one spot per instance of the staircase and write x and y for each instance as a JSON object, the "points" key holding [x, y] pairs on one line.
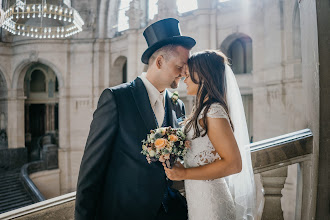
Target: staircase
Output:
{"points": [[12, 192]]}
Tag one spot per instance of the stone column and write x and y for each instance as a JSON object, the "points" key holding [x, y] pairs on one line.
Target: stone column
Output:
{"points": [[16, 126], [291, 200], [132, 55], [144, 7], [273, 183], [47, 118], [311, 77], [134, 19], [166, 9], [64, 151], [205, 20], [52, 117], [134, 14]]}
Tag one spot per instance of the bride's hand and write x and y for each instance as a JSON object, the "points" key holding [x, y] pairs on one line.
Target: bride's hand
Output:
{"points": [[177, 172]]}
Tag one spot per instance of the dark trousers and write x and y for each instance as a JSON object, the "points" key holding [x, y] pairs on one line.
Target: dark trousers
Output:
{"points": [[176, 211]]}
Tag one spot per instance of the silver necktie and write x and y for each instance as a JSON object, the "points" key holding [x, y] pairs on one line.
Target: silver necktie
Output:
{"points": [[159, 110]]}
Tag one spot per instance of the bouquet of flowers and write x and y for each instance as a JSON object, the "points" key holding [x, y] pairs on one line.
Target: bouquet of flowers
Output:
{"points": [[165, 145]]}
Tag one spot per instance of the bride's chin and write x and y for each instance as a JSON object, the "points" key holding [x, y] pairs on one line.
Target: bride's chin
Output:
{"points": [[189, 93]]}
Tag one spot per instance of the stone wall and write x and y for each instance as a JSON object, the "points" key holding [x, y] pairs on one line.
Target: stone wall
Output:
{"points": [[48, 182], [91, 61]]}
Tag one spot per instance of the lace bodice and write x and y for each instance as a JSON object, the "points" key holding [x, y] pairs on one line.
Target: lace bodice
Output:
{"points": [[202, 151], [207, 199]]}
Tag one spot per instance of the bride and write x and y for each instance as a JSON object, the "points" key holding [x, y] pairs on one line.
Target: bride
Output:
{"points": [[217, 168]]}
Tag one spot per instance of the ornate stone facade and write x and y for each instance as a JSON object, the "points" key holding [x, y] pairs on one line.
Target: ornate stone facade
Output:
{"points": [[96, 58]]}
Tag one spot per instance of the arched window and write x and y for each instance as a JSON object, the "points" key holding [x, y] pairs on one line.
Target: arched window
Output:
{"points": [[152, 9], [56, 85], [125, 72], [37, 83], [118, 74], [122, 18], [186, 5], [240, 54]]}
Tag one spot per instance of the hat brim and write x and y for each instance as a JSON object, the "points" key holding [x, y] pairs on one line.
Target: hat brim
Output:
{"points": [[184, 41]]}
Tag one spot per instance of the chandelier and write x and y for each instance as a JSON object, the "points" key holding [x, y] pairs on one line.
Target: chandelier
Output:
{"points": [[2, 14], [42, 19]]}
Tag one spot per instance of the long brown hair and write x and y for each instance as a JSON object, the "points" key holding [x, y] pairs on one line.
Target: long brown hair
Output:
{"points": [[207, 69]]}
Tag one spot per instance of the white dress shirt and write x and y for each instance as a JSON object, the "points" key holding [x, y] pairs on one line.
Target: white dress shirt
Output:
{"points": [[156, 98]]}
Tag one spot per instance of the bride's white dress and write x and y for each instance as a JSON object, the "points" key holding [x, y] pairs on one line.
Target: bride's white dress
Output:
{"points": [[207, 199]]}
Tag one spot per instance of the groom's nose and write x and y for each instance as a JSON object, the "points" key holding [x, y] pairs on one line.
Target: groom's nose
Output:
{"points": [[184, 71]]}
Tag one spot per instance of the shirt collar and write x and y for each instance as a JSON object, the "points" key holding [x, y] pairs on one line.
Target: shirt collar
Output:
{"points": [[152, 91]]}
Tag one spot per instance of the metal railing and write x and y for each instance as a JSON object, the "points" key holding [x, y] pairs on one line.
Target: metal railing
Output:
{"points": [[283, 150]]}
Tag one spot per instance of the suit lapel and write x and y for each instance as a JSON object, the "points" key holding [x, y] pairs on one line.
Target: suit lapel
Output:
{"points": [[142, 102]]}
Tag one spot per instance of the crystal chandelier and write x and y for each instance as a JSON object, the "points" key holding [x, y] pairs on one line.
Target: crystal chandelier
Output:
{"points": [[42, 19]]}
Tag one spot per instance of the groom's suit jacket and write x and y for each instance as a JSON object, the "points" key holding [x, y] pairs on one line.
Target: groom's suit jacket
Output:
{"points": [[115, 180]]}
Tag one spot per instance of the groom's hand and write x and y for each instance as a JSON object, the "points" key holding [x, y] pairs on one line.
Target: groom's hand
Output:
{"points": [[177, 173]]}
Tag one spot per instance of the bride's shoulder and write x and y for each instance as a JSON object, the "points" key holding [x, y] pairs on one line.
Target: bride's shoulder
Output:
{"points": [[216, 110]]}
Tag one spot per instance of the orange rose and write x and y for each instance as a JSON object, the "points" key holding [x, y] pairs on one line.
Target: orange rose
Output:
{"points": [[173, 138], [160, 143]]}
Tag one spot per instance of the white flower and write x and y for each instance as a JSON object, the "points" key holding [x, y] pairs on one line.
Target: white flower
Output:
{"points": [[152, 153]]}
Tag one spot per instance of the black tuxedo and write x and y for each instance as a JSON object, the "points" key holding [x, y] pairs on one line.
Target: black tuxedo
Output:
{"points": [[115, 180]]}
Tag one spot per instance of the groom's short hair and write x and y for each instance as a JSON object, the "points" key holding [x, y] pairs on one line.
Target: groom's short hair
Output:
{"points": [[167, 51]]}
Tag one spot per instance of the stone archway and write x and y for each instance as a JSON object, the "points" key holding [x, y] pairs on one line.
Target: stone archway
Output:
{"points": [[41, 93], [118, 72], [16, 104], [238, 48]]}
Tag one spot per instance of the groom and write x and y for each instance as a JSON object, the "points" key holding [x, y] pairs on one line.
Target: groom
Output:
{"points": [[115, 180]]}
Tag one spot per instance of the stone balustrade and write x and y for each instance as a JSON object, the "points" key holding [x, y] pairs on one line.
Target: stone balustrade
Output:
{"points": [[270, 160]]}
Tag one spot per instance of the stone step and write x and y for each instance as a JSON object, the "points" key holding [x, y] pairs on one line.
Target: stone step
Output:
{"points": [[8, 178], [12, 194], [10, 174], [14, 206], [12, 187], [18, 198]]}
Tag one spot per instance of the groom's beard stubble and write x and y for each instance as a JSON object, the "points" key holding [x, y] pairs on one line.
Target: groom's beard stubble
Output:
{"points": [[174, 85]]}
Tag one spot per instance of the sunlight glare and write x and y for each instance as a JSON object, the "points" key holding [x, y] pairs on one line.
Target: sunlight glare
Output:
{"points": [[152, 9], [186, 5]]}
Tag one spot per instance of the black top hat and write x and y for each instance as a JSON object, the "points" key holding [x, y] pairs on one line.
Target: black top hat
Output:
{"points": [[164, 32]]}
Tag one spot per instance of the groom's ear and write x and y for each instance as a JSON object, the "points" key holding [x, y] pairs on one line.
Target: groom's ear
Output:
{"points": [[159, 61]]}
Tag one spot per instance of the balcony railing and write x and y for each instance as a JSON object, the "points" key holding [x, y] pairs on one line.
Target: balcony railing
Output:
{"points": [[267, 156]]}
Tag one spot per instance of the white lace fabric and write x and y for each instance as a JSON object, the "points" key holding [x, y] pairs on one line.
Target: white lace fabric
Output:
{"points": [[207, 199]]}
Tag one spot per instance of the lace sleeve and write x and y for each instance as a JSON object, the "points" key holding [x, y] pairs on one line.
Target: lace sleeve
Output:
{"points": [[217, 111]]}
